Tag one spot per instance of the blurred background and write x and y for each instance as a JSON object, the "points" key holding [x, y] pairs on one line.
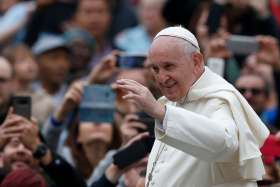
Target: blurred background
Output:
{"points": [[56, 51]]}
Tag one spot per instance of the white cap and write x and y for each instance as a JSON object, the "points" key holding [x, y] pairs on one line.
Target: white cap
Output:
{"points": [[179, 32]]}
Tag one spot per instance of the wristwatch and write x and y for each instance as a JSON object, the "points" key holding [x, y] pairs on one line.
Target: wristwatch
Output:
{"points": [[40, 151]]}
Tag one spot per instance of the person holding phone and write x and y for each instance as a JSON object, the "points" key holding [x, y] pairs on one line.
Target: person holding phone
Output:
{"points": [[206, 132], [121, 167], [22, 147]]}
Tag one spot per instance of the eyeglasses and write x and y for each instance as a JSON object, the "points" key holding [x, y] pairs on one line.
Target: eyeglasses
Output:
{"points": [[254, 91]]}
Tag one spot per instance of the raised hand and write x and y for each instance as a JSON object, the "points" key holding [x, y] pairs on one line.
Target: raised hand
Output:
{"points": [[142, 97]]}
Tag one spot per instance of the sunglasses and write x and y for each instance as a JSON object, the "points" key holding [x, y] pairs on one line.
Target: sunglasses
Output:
{"points": [[254, 91]]}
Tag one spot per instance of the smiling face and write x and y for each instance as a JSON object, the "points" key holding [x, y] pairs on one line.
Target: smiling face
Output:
{"points": [[17, 156], [175, 68]]}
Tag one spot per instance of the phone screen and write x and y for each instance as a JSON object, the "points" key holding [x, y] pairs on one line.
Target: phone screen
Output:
{"points": [[133, 153], [22, 106], [98, 104], [131, 61]]}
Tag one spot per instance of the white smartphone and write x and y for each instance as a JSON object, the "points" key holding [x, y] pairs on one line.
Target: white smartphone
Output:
{"points": [[242, 45]]}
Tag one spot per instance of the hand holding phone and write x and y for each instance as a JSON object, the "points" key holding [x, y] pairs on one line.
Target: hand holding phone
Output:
{"points": [[148, 121], [133, 153]]}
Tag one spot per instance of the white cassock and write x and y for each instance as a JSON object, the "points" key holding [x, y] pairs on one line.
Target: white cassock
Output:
{"points": [[209, 139]]}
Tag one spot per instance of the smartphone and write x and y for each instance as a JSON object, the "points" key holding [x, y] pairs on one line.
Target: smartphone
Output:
{"points": [[22, 106], [148, 121], [130, 61], [217, 65], [97, 104], [133, 153], [242, 45], [265, 182]]}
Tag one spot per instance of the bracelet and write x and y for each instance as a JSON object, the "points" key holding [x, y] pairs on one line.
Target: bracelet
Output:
{"points": [[54, 122]]}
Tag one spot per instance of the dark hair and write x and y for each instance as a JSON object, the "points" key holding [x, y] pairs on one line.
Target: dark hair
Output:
{"points": [[82, 163]]}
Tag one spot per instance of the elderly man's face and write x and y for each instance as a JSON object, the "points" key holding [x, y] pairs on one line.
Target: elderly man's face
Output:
{"points": [[17, 156], [173, 69]]}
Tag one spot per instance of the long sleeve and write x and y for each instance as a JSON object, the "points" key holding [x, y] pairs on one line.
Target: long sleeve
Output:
{"points": [[63, 174], [210, 138], [51, 132], [103, 182]]}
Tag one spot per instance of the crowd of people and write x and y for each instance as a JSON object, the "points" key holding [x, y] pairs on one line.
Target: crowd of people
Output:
{"points": [[50, 50]]}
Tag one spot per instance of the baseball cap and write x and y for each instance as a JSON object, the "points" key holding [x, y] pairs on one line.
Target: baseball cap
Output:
{"points": [[48, 42], [179, 32]]}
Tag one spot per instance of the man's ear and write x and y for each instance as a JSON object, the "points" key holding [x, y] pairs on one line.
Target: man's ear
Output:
{"points": [[198, 62]]}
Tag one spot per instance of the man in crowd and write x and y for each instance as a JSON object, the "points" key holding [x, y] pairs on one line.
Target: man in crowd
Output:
{"points": [[6, 87], [207, 134], [22, 148], [255, 89]]}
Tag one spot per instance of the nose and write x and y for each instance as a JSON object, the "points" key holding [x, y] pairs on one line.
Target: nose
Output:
{"points": [[21, 150]]}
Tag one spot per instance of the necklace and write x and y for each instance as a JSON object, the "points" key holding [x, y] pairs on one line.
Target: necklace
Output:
{"points": [[150, 175]]}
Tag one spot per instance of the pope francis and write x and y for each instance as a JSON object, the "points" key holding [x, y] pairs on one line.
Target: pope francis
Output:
{"points": [[207, 134]]}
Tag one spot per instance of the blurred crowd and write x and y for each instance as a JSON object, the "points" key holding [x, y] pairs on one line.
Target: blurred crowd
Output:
{"points": [[51, 49]]}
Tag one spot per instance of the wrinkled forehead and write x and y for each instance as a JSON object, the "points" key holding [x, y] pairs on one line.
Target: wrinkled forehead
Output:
{"points": [[166, 43]]}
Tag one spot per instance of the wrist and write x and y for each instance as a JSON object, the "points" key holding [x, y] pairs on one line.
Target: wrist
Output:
{"points": [[113, 173], [59, 116], [159, 112]]}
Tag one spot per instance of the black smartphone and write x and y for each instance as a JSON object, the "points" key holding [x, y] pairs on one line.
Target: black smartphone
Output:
{"points": [[130, 61], [264, 183], [22, 106], [133, 153], [148, 121]]}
